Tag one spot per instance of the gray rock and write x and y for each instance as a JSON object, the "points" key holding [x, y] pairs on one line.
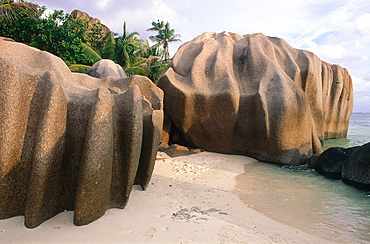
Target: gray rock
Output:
{"points": [[105, 68], [356, 171], [70, 141]]}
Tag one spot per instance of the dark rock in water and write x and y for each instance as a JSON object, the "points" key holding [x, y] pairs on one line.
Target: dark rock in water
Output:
{"points": [[311, 162], [331, 162], [70, 141], [105, 68], [255, 95], [352, 165], [356, 171]]}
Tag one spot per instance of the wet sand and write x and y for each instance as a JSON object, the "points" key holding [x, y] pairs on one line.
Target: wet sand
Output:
{"points": [[301, 198]]}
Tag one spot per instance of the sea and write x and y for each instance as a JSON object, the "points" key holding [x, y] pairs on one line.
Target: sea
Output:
{"points": [[300, 197]]}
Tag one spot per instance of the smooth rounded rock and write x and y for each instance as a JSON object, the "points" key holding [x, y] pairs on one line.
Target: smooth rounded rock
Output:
{"points": [[255, 95], [357, 170], [105, 68]]}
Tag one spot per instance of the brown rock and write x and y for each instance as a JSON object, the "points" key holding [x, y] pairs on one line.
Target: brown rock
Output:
{"points": [[90, 20], [163, 146], [176, 150], [70, 141], [255, 95], [6, 39], [196, 150]]}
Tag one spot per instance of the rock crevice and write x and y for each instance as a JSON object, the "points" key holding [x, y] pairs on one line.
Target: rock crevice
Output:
{"points": [[257, 96], [70, 141]]}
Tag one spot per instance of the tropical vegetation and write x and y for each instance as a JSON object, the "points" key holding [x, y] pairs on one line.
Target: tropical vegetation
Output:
{"points": [[80, 44], [165, 36]]}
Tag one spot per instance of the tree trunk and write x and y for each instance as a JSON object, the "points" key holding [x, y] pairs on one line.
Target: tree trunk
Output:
{"points": [[167, 54]]}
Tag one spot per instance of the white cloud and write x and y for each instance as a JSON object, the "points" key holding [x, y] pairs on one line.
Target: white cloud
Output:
{"points": [[362, 103], [363, 25], [338, 31], [360, 84], [102, 4]]}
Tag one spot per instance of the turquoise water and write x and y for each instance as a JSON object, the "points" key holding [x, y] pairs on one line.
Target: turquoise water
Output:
{"points": [[301, 198], [358, 132]]}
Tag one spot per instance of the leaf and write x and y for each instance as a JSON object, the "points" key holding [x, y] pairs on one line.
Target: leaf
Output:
{"points": [[136, 71], [79, 68], [9, 11], [109, 48], [90, 53]]}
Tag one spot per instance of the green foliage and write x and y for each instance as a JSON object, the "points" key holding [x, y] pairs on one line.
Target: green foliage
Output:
{"points": [[90, 53], [95, 37], [81, 45], [17, 21], [62, 35], [165, 36], [13, 10], [129, 52], [79, 68], [58, 34], [109, 47], [156, 68], [157, 26]]}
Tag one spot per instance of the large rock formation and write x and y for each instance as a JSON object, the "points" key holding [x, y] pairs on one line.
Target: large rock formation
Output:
{"points": [[352, 165], [257, 96], [331, 162], [356, 171], [90, 20], [69, 141]]}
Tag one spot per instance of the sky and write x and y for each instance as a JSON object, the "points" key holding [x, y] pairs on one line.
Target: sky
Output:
{"points": [[337, 31]]}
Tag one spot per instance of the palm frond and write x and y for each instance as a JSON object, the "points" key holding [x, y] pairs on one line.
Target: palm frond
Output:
{"points": [[109, 47], [79, 68], [140, 62], [10, 11], [90, 53], [136, 71]]}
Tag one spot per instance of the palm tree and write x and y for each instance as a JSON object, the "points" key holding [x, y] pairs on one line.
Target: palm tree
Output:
{"points": [[129, 52], [154, 65], [10, 10], [165, 36], [109, 47], [157, 26]]}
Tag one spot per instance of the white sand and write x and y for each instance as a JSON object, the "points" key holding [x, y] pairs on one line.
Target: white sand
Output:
{"points": [[190, 199]]}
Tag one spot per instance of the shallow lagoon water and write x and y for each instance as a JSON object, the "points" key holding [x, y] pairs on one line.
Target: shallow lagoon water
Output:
{"points": [[299, 197], [358, 132]]}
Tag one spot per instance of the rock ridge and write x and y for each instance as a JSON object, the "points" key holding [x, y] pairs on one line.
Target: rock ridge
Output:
{"points": [[255, 95], [69, 141]]}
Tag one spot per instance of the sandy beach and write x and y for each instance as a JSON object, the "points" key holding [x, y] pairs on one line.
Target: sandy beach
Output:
{"points": [[190, 199]]}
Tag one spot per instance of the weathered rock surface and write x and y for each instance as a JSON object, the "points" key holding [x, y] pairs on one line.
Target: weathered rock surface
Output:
{"points": [[331, 162], [90, 20], [352, 165], [69, 141], [255, 95], [105, 68], [356, 171]]}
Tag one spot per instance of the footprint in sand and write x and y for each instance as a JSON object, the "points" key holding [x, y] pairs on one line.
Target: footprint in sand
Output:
{"points": [[229, 234], [149, 234]]}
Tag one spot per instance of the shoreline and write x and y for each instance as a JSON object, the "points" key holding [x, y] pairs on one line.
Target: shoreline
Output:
{"points": [[190, 199]]}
